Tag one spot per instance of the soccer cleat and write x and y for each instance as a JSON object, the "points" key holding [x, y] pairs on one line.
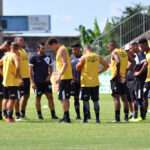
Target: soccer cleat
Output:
{"points": [[78, 118], [54, 117], [40, 117], [98, 121]]}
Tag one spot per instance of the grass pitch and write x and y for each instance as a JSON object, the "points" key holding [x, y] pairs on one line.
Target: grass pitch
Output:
{"points": [[51, 135]]}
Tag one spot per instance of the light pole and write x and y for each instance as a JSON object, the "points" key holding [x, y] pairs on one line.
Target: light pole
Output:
{"points": [[1, 14]]}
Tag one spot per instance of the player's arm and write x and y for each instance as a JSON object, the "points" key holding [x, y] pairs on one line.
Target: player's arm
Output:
{"points": [[137, 73], [104, 64], [80, 64], [17, 64], [64, 64], [116, 58], [1, 62], [31, 72]]}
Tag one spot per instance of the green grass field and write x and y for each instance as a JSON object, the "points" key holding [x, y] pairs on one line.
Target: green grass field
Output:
{"points": [[51, 135]]}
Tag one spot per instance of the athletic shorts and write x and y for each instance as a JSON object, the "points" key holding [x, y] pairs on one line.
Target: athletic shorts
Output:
{"points": [[25, 88], [131, 91], [75, 88], [139, 86], [43, 88], [64, 89], [11, 93], [1, 89], [118, 88], [88, 93], [146, 90]]}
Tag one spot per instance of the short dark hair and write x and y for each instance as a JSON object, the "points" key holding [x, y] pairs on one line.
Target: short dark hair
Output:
{"points": [[41, 44], [134, 43], [14, 44], [143, 41], [76, 45], [52, 41]]}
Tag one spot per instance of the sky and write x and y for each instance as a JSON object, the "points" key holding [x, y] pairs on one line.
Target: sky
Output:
{"points": [[67, 15]]}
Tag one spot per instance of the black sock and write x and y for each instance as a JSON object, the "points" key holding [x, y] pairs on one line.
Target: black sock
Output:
{"points": [[22, 113], [86, 110], [53, 114], [77, 107], [126, 112], [10, 114], [66, 115], [5, 113], [117, 115], [18, 114], [96, 109], [39, 113]]}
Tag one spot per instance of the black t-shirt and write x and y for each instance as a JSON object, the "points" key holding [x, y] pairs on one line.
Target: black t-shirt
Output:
{"points": [[139, 59], [40, 64]]}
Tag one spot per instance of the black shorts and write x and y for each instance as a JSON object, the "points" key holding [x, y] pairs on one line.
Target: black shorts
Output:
{"points": [[1, 89], [11, 93], [118, 88], [25, 88], [139, 86], [64, 89], [43, 88], [146, 90], [75, 88], [88, 93], [131, 91]]}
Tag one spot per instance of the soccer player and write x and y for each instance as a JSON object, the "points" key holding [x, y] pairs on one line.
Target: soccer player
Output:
{"points": [[24, 71], [140, 74], [63, 66], [143, 45], [131, 80], [40, 73], [11, 79], [5, 47], [75, 83], [118, 66], [89, 68]]}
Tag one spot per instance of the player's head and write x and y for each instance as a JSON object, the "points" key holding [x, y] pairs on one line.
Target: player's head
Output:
{"points": [[112, 45], [14, 47], [6, 45], [143, 45], [134, 47], [41, 47], [53, 44], [20, 41], [88, 48], [75, 49]]}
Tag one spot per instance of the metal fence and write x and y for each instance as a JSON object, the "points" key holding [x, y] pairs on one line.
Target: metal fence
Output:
{"points": [[127, 30]]}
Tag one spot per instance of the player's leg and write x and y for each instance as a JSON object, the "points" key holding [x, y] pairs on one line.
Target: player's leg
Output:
{"points": [[49, 95], [116, 98], [25, 94], [85, 97], [13, 97], [64, 96], [95, 98], [38, 96], [77, 100], [123, 93], [146, 93]]}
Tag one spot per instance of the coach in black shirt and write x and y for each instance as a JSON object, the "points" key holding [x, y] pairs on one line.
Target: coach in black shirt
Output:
{"points": [[40, 72]]}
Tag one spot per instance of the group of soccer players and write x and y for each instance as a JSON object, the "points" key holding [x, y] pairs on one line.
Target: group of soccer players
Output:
{"points": [[78, 76]]}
